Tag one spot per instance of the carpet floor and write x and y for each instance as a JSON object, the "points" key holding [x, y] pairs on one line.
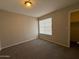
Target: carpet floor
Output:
{"points": [[39, 49]]}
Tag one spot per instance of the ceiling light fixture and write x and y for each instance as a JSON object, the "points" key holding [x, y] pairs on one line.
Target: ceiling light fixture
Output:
{"points": [[28, 3]]}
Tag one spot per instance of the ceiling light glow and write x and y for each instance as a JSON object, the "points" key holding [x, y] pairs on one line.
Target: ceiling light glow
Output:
{"points": [[28, 3]]}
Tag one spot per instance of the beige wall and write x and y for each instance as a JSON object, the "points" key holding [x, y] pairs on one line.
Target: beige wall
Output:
{"points": [[61, 25], [0, 44], [16, 28], [0, 36]]}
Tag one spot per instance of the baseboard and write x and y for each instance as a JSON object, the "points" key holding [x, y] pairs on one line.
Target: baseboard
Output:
{"points": [[64, 45], [57, 43], [16, 44]]}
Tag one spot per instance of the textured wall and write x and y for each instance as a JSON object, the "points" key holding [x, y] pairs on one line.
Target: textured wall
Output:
{"points": [[17, 28], [61, 25]]}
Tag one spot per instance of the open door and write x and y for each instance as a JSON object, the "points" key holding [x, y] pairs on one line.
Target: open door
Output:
{"points": [[74, 32]]}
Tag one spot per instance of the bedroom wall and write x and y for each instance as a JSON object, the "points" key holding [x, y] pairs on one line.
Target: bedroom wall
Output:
{"points": [[61, 25], [17, 28], [0, 37], [0, 45]]}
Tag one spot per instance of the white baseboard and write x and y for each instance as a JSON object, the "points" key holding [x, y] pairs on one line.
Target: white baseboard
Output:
{"points": [[16, 44], [62, 44], [57, 43]]}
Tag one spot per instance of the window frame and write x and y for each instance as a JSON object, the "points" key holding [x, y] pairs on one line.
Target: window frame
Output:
{"points": [[39, 26]]}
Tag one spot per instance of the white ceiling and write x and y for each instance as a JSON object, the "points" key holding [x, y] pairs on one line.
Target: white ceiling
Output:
{"points": [[39, 7]]}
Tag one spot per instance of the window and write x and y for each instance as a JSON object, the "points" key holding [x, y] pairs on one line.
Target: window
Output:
{"points": [[45, 26]]}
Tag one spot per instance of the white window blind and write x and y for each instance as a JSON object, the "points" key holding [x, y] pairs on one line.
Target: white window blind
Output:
{"points": [[45, 26]]}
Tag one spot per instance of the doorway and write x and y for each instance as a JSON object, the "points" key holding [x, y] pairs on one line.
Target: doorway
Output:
{"points": [[74, 28]]}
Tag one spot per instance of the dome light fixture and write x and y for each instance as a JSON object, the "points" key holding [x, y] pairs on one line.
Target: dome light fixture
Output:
{"points": [[28, 3]]}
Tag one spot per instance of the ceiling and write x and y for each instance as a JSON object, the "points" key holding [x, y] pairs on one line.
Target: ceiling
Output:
{"points": [[39, 7]]}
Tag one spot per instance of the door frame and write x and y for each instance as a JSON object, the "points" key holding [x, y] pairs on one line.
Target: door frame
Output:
{"points": [[69, 23]]}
